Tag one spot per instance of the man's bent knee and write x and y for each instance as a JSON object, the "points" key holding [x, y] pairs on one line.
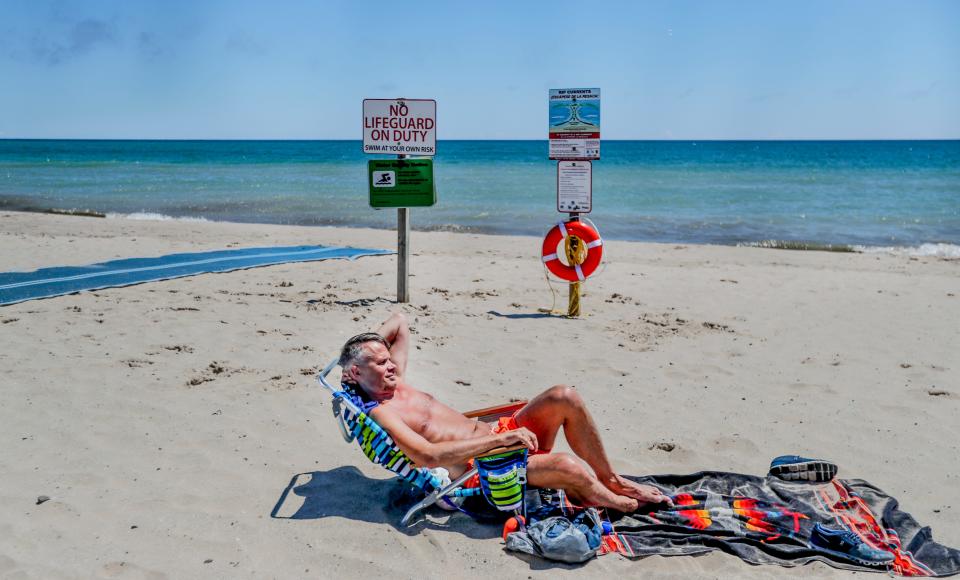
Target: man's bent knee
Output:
{"points": [[564, 395], [569, 466]]}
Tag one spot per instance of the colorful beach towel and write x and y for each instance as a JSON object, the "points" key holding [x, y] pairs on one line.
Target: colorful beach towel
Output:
{"points": [[20, 286], [770, 521]]}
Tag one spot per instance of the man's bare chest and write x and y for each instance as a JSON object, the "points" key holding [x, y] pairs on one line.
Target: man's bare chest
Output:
{"points": [[431, 419], [417, 412]]}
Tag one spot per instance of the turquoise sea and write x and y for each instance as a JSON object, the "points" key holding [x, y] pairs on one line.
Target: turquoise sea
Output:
{"points": [[877, 194]]}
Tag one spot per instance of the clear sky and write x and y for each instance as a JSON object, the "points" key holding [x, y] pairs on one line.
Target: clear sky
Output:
{"points": [[766, 69]]}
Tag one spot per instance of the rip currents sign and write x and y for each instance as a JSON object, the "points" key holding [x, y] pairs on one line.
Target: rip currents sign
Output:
{"points": [[574, 124]]}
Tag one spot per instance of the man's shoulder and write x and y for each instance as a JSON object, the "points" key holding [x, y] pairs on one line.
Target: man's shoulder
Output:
{"points": [[399, 400], [384, 412], [409, 392], [403, 405], [393, 412]]}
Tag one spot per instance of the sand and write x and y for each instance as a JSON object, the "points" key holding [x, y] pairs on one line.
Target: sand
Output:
{"points": [[165, 421]]}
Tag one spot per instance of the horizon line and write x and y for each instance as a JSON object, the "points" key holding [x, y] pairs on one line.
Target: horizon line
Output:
{"points": [[214, 139]]}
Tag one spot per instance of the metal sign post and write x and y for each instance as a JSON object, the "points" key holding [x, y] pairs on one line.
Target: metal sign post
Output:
{"points": [[401, 126], [403, 254]]}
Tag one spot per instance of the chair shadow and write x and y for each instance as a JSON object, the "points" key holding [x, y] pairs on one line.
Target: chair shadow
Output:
{"points": [[523, 316], [347, 493]]}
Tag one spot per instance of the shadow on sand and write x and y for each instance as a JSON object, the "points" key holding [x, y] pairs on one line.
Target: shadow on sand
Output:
{"points": [[523, 316], [347, 493]]}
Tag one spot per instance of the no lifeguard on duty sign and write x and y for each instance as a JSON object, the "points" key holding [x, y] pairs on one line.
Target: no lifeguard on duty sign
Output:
{"points": [[400, 126]]}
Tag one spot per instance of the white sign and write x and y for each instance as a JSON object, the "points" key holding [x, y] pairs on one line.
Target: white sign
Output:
{"points": [[574, 186], [574, 120], [575, 149], [400, 126]]}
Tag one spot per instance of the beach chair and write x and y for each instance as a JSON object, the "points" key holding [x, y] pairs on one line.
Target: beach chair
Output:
{"points": [[502, 470]]}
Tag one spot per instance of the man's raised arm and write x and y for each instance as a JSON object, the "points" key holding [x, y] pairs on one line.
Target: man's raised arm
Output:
{"points": [[397, 333]]}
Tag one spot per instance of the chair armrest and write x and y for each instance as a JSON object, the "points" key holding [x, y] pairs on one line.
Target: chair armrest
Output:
{"points": [[497, 450], [492, 414]]}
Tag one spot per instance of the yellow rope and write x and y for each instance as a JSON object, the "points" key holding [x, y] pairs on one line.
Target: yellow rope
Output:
{"points": [[576, 253], [553, 307]]}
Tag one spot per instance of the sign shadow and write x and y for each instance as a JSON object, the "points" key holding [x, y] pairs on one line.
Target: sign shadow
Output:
{"points": [[521, 316]]}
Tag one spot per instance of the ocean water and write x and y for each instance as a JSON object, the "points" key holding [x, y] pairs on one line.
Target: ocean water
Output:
{"points": [[875, 194]]}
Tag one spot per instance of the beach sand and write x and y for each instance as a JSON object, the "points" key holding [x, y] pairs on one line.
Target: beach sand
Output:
{"points": [[165, 420]]}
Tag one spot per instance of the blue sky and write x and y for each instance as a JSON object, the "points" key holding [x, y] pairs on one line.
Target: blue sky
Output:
{"points": [[807, 69]]}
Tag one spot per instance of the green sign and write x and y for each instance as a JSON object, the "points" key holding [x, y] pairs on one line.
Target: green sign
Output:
{"points": [[401, 182]]}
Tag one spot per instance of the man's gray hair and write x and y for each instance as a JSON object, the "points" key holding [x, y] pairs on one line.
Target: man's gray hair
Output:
{"points": [[353, 353]]}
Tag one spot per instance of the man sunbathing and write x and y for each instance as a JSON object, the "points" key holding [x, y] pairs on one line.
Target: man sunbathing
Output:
{"points": [[432, 434]]}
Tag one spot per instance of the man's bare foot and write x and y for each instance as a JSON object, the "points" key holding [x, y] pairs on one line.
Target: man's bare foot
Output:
{"points": [[599, 496], [643, 493], [622, 503], [627, 505]]}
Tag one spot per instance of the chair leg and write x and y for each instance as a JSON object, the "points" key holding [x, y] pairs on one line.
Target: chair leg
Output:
{"points": [[428, 501], [435, 496]]}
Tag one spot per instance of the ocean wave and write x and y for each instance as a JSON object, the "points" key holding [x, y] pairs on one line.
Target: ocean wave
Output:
{"points": [[18, 203], [937, 250], [150, 216], [934, 250], [793, 245], [74, 212]]}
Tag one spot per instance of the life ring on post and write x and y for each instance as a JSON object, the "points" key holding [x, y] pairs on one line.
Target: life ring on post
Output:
{"points": [[589, 236]]}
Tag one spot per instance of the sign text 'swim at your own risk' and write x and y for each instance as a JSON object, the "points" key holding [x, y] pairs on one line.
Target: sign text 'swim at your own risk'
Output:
{"points": [[400, 126]]}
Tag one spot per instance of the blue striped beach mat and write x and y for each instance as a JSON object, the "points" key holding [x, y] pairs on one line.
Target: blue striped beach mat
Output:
{"points": [[47, 282]]}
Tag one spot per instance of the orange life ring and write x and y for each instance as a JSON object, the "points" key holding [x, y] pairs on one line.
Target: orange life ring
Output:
{"points": [[579, 272]]}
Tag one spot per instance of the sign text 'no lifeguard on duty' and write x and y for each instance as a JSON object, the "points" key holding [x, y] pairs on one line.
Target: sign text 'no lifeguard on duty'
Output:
{"points": [[400, 126]]}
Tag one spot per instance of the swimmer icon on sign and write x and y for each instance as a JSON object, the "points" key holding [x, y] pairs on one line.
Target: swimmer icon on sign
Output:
{"points": [[383, 179]]}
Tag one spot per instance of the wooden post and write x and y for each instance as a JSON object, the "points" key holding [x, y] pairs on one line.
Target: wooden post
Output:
{"points": [[573, 253]]}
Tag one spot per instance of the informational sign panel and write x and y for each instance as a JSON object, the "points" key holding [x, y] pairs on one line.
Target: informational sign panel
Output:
{"points": [[574, 186], [574, 123], [400, 126], [401, 182]]}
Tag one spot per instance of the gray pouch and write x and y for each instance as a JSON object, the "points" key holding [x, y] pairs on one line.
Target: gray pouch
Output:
{"points": [[555, 539]]}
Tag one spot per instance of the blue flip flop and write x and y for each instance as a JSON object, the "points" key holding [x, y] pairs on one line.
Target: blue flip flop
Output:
{"points": [[796, 468]]}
